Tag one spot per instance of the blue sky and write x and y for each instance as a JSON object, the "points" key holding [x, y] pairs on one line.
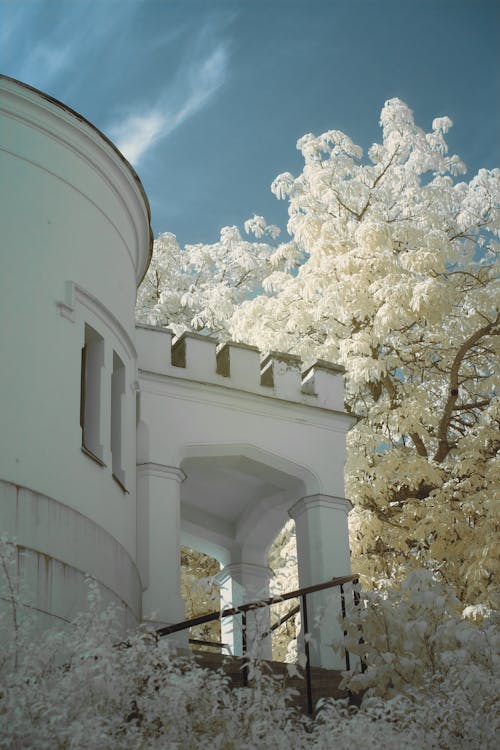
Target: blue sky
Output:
{"points": [[208, 99]]}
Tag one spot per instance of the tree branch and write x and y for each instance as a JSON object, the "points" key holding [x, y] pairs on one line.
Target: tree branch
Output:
{"points": [[444, 446]]}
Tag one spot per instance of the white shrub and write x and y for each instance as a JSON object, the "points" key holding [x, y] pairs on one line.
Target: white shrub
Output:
{"points": [[86, 689]]}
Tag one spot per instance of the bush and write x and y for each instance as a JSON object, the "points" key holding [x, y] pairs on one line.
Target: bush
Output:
{"points": [[86, 689]]}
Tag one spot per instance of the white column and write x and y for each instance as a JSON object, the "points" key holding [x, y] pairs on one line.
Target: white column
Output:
{"points": [[158, 499], [242, 583], [323, 553]]}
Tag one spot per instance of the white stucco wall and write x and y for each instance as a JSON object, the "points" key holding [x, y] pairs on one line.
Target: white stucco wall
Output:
{"points": [[57, 548], [193, 410], [250, 446]]}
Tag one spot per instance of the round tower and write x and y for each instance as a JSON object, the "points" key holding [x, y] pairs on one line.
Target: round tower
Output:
{"points": [[76, 242]]}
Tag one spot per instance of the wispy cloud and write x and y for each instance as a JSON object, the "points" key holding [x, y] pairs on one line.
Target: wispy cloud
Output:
{"points": [[195, 86], [81, 51], [138, 134], [44, 42]]}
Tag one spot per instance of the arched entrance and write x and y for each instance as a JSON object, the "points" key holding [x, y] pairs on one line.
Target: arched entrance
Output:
{"points": [[234, 501]]}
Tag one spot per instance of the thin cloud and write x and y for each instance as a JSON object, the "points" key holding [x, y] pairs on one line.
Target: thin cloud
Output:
{"points": [[194, 88], [63, 47], [138, 134], [43, 43], [51, 60]]}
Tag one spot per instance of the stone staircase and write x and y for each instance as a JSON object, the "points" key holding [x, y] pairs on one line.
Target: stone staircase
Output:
{"points": [[325, 682]]}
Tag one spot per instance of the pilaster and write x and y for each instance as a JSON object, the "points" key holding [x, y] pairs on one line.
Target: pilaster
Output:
{"points": [[158, 501], [323, 553]]}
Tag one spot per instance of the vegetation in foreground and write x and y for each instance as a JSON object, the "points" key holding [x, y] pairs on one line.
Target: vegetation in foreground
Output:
{"points": [[432, 683]]}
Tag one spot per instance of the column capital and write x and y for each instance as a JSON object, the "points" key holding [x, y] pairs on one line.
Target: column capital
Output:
{"points": [[240, 571], [311, 502], [151, 469]]}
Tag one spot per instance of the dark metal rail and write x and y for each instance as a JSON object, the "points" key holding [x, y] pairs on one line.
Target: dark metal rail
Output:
{"points": [[216, 615], [282, 620], [212, 644]]}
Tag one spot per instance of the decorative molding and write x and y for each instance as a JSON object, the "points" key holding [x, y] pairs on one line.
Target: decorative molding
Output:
{"points": [[311, 502], [93, 456], [74, 294], [253, 452], [254, 402], [239, 571], [151, 469]]}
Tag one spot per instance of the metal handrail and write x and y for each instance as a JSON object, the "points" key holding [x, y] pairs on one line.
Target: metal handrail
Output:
{"points": [[244, 608], [216, 615], [213, 644], [282, 620]]}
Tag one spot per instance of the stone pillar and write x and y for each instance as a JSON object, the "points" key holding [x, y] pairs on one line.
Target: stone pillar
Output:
{"points": [[323, 553], [241, 583], [158, 500]]}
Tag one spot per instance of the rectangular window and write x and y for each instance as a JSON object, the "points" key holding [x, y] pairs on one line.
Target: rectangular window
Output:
{"points": [[90, 393], [117, 396]]}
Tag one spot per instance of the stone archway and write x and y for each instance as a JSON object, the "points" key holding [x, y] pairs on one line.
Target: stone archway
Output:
{"points": [[236, 498]]}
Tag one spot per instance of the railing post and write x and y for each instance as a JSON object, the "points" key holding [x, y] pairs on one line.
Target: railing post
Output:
{"points": [[357, 601], [306, 649], [244, 647], [342, 602]]}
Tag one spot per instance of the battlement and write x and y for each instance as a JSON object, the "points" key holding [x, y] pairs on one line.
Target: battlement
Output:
{"points": [[203, 359]]}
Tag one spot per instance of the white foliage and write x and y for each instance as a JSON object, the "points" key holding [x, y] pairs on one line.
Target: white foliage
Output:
{"points": [[399, 286], [199, 286], [87, 688], [428, 661]]}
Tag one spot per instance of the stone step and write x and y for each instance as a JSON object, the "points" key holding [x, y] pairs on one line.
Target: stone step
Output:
{"points": [[325, 682]]}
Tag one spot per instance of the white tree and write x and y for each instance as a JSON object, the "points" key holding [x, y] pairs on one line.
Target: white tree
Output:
{"points": [[400, 288], [398, 285], [198, 287]]}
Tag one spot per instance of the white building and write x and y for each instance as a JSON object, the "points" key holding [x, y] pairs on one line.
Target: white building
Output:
{"points": [[118, 441]]}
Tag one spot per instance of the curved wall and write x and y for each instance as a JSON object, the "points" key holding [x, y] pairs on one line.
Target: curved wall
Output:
{"points": [[75, 243], [57, 548]]}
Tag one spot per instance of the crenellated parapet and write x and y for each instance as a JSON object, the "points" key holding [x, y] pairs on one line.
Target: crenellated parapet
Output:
{"points": [[203, 359]]}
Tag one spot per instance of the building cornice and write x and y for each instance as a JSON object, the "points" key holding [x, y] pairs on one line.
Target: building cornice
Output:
{"points": [[258, 403]]}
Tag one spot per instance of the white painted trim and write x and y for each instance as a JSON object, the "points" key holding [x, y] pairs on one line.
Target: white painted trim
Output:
{"points": [[238, 571], [296, 471], [74, 293], [192, 540]]}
